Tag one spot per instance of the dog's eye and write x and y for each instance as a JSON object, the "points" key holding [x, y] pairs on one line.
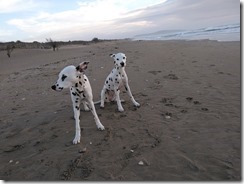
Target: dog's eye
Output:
{"points": [[63, 77], [123, 57], [117, 59]]}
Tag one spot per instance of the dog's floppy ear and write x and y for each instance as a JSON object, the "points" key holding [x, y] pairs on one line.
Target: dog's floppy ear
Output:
{"points": [[112, 55], [82, 66]]}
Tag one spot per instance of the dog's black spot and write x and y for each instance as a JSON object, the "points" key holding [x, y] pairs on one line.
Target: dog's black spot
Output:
{"points": [[79, 91], [76, 85], [122, 75], [77, 98], [57, 85], [117, 75], [80, 83], [123, 57], [60, 88], [77, 107], [106, 82], [85, 79], [117, 59], [79, 77], [116, 79], [73, 93], [84, 95], [126, 88], [63, 77], [78, 68], [76, 101]]}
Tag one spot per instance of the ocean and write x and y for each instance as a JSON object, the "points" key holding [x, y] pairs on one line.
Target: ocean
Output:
{"points": [[229, 32]]}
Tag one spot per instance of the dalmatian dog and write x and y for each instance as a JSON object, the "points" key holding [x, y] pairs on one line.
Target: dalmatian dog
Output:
{"points": [[115, 81], [80, 89]]}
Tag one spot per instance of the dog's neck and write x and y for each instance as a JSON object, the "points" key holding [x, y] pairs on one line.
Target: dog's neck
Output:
{"points": [[120, 69], [80, 82]]}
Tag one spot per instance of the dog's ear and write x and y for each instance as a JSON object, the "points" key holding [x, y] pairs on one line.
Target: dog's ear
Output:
{"points": [[82, 66], [112, 55]]}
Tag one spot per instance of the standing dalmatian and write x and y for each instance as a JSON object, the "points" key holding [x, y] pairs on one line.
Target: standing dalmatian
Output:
{"points": [[115, 81], [80, 89]]}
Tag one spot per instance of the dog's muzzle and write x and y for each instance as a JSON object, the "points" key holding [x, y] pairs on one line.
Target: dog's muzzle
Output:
{"points": [[122, 64]]}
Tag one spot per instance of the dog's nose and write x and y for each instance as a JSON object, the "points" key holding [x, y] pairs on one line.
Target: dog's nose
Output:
{"points": [[54, 87], [122, 64]]}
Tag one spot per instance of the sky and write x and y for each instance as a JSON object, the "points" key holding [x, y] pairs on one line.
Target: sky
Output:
{"points": [[36, 20]]}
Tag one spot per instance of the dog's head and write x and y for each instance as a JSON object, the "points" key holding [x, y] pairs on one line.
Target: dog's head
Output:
{"points": [[69, 76], [119, 59]]}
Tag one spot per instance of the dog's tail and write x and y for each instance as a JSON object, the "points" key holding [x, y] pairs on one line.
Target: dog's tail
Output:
{"points": [[99, 101]]}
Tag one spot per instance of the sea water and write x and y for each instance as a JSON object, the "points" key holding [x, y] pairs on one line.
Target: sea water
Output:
{"points": [[229, 32]]}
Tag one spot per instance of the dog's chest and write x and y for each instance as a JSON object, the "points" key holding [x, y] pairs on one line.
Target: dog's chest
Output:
{"points": [[115, 79]]}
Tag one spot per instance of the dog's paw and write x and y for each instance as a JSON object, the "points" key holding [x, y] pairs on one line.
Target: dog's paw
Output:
{"points": [[101, 107], [137, 104], [121, 109], [100, 127], [76, 140]]}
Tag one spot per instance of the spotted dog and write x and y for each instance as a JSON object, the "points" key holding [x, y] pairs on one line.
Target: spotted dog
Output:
{"points": [[80, 89], [115, 81]]}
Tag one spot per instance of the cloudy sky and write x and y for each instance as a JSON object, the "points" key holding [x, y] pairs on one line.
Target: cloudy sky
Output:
{"points": [[36, 20]]}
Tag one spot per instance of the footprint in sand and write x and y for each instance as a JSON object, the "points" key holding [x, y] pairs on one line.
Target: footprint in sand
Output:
{"points": [[155, 72], [171, 76]]}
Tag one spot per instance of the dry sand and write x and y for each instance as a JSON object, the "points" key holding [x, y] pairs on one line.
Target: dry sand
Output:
{"points": [[187, 128]]}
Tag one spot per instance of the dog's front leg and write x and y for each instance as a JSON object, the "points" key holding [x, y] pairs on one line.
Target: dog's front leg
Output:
{"points": [[93, 110], [120, 108], [76, 108], [127, 88]]}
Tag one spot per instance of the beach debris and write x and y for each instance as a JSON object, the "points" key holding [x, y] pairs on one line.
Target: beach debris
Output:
{"points": [[10, 161], [82, 150], [167, 117], [141, 163], [23, 99], [132, 151], [17, 162], [90, 143]]}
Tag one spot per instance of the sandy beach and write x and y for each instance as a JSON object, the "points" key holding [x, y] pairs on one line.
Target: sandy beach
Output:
{"points": [[188, 127]]}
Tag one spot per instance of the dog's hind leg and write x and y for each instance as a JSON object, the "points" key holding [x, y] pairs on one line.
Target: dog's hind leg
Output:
{"points": [[102, 97]]}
